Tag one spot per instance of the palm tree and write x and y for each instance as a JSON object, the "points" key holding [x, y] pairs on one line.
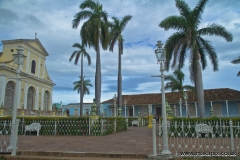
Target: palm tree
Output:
{"points": [[86, 83], [189, 40], [93, 32], [176, 82], [236, 61], [117, 27], [83, 53]]}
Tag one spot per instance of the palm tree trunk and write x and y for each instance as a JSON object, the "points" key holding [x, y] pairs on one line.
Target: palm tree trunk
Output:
{"points": [[119, 79], [81, 95], [98, 79], [199, 90]]}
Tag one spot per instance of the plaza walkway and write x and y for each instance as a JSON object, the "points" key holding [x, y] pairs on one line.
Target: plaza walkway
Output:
{"points": [[135, 143]]}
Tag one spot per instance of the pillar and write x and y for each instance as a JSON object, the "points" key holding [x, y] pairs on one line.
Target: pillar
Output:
{"points": [[2, 88]]}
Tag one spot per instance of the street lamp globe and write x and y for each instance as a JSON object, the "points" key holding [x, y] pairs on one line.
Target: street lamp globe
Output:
{"points": [[159, 52], [19, 57]]}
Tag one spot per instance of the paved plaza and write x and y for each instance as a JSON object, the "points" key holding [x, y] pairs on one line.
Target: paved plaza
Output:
{"points": [[136, 143]]}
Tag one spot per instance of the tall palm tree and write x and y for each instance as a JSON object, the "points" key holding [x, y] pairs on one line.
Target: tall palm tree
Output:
{"points": [[189, 40], [117, 27], [83, 53], [93, 32], [176, 82], [236, 61], [86, 83]]}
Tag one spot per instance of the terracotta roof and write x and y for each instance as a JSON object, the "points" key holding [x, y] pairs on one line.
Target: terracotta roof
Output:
{"points": [[173, 97]]}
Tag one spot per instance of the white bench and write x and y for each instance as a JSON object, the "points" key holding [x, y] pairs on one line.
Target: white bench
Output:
{"points": [[203, 128], [135, 122], [33, 127]]}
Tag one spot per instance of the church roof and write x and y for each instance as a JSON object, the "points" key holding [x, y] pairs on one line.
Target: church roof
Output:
{"points": [[26, 42], [219, 94]]}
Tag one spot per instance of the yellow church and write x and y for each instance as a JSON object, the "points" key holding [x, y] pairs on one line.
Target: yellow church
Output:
{"points": [[35, 84]]}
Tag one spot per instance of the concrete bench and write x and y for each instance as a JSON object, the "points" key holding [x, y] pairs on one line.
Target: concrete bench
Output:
{"points": [[135, 122], [33, 127], [203, 128]]}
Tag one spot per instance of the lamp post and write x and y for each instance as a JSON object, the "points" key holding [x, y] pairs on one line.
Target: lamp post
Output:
{"points": [[115, 99], [180, 105], [185, 96], [17, 59], [125, 103], [160, 55]]}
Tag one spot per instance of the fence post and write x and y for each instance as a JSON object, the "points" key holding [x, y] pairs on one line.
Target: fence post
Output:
{"points": [[231, 134], [15, 138], [101, 127], [55, 128], [154, 138]]}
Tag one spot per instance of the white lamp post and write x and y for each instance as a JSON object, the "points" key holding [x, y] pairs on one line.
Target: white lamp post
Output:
{"points": [[186, 98], [180, 105], [17, 59], [115, 99], [160, 55], [125, 103]]}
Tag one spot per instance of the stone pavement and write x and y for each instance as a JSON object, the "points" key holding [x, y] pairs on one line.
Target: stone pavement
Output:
{"points": [[135, 143]]}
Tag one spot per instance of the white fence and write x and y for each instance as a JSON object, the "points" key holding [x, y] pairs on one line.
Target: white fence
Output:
{"points": [[183, 140]]}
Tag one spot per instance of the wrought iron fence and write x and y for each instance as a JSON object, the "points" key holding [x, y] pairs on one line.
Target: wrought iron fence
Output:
{"points": [[183, 140]]}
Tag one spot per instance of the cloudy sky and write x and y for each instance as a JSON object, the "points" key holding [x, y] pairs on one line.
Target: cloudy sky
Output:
{"points": [[20, 19]]}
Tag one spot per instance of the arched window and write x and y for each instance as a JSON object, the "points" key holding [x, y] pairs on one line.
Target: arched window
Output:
{"points": [[46, 101], [9, 95], [30, 99], [33, 68]]}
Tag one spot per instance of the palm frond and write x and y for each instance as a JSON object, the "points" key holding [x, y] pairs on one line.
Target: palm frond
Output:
{"points": [[238, 73], [236, 61], [92, 5], [78, 17], [216, 30], [198, 10], [173, 22], [183, 8], [208, 48]]}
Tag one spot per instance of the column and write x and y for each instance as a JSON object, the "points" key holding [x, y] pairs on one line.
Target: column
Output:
{"points": [[44, 66], [50, 99], [36, 99], [38, 66], [25, 95], [43, 70], [28, 63], [133, 111], [2, 88], [227, 108], [42, 100]]}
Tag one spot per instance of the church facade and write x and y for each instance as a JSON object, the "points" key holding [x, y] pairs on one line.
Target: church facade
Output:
{"points": [[35, 84]]}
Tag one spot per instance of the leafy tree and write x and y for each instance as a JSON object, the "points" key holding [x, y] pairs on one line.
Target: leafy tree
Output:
{"points": [[176, 82], [236, 61], [93, 32], [117, 27], [188, 40], [83, 53], [86, 83]]}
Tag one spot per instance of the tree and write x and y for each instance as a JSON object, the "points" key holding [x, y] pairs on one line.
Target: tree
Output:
{"points": [[83, 53], [189, 40], [93, 32], [86, 83], [117, 27], [236, 61], [176, 82]]}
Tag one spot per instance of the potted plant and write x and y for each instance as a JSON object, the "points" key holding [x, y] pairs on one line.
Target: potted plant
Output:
{"points": [[1, 109]]}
